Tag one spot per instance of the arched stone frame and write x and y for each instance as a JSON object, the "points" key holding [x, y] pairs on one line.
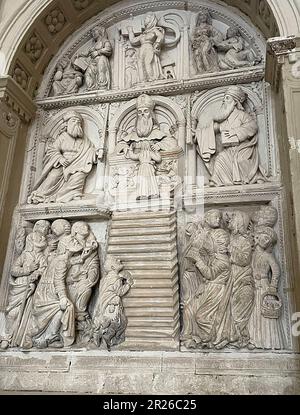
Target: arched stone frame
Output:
{"points": [[129, 109], [112, 16], [283, 26], [50, 129]]}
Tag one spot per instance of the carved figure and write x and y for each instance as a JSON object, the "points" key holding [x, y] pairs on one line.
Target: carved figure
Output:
{"points": [[26, 271], [131, 69], [83, 276], [53, 315], [147, 128], [98, 71], [193, 281], [265, 216], [238, 160], [204, 39], [150, 42], [110, 321], [67, 162], [68, 78], [266, 332], [147, 186], [214, 266], [237, 55]]}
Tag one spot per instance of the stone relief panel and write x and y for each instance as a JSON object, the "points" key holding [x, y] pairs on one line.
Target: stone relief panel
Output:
{"points": [[231, 138], [56, 298], [231, 281], [147, 45], [71, 149], [89, 69], [146, 159]]}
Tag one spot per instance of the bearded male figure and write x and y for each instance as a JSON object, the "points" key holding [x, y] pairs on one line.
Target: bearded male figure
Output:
{"points": [[67, 162], [237, 162]]}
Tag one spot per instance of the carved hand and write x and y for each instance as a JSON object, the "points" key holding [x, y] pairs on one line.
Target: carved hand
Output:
{"points": [[64, 162], [63, 303]]}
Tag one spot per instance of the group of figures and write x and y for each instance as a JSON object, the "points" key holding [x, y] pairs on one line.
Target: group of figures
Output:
{"points": [[212, 52], [227, 144], [230, 282], [51, 286], [91, 69], [144, 145]]}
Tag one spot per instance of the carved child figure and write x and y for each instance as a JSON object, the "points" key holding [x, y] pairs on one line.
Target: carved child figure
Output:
{"points": [[110, 321], [266, 333]]}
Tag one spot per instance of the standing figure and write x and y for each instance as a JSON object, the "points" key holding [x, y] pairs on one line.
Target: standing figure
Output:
{"points": [[110, 321], [53, 315], [193, 281], [82, 277], [67, 162], [150, 42], [237, 162], [131, 68], [26, 271], [147, 186], [214, 266], [204, 39], [265, 332], [98, 72], [236, 54]]}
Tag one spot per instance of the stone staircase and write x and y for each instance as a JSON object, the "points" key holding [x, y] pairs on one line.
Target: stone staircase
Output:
{"points": [[146, 244]]}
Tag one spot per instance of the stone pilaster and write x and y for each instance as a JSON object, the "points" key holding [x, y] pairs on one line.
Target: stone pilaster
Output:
{"points": [[283, 72], [16, 111]]}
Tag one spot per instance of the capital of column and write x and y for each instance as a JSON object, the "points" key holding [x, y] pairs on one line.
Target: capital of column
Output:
{"points": [[278, 49], [13, 96]]}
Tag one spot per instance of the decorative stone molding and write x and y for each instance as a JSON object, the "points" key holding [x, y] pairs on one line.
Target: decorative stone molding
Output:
{"points": [[278, 49], [16, 99], [203, 82]]}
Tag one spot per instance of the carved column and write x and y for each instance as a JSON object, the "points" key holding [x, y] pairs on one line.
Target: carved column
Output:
{"points": [[283, 72], [16, 111]]}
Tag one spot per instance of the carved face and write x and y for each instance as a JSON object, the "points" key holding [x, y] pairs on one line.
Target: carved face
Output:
{"points": [[263, 240], [81, 229], [213, 218], [61, 227], [42, 227], [144, 122], [74, 127]]}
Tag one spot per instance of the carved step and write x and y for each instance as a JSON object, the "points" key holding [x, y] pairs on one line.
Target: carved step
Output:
{"points": [[148, 249], [152, 265], [154, 274], [143, 223], [151, 312], [153, 293], [150, 301], [153, 284], [142, 259], [151, 333], [132, 232], [152, 321], [143, 239], [142, 215]]}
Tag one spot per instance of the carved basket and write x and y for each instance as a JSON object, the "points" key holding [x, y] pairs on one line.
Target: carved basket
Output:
{"points": [[271, 305]]}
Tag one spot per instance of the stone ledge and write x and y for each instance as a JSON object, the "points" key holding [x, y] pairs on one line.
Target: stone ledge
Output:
{"points": [[155, 373]]}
